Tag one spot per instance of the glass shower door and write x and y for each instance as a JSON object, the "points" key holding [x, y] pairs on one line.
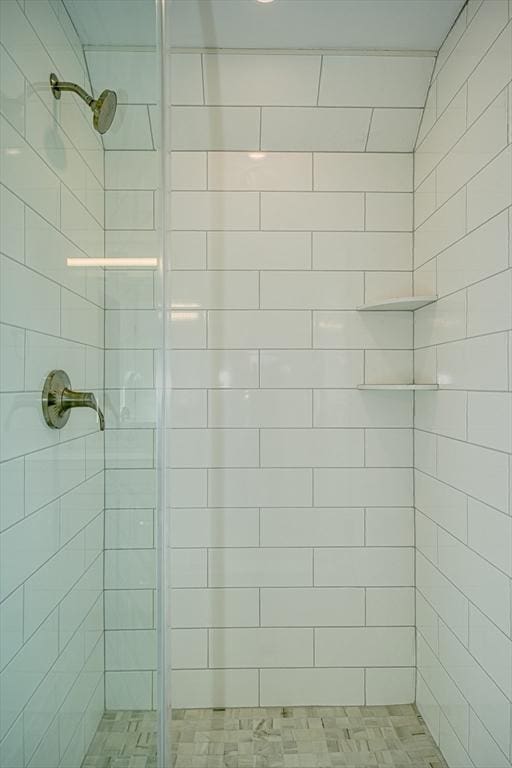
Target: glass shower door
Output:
{"points": [[81, 301]]}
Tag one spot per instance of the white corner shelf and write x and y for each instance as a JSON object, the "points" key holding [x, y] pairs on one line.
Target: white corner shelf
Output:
{"points": [[406, 303], [399, 387]]}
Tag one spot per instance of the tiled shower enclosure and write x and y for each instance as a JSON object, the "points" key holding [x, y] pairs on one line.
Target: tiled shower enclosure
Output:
{"points": [[285, 274]]}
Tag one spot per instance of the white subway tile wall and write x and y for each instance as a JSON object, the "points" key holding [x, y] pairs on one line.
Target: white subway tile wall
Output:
{"points": [[51, 316], [132, 322], [292, 518], [463, 197]]}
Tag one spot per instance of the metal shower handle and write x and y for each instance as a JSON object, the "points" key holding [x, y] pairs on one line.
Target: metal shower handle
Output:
{"points": [[59, 399]]}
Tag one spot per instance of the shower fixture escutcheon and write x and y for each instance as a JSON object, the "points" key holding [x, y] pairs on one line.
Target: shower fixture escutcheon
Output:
{"points": [[58, 399], [103, 108]]}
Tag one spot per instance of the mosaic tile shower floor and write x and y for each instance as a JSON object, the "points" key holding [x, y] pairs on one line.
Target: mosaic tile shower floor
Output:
{"points": [[291, 737]]}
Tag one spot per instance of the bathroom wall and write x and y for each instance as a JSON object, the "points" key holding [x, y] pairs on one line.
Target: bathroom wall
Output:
{"points": [[292, 520], [463, 440], [52, 486], [132, 324]]}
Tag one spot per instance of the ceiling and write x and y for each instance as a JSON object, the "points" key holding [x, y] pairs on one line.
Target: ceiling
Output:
{"points": [[281, 24]]}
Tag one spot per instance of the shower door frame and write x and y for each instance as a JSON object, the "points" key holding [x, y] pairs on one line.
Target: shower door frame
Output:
{"points": [[163, 388]]}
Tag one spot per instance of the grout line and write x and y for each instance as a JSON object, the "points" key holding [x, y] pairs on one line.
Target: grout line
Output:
{"points": [[153, 142], [369, 130], [468, 74], [51, 169], [503, 148], [320, 73], [56, 608], [203, 88], [468, 547]]}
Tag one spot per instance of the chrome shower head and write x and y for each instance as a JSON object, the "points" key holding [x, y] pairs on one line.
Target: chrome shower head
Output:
{"points": [[103, 108]]}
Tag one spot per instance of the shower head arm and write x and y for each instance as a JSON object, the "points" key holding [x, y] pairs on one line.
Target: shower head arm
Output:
{"points": [[59, 85], [103, 108]]}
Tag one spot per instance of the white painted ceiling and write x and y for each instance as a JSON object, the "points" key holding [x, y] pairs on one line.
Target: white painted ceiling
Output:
{"points": [[281, 24]]}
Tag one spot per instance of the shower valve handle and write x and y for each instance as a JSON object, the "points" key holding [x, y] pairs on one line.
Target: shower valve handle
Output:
{"points": [[59, 399]]}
